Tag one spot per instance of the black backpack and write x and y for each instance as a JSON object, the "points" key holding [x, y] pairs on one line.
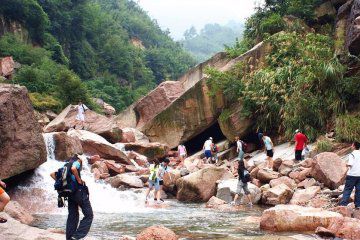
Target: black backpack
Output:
{"points": [[64, 185], [247, 177]]}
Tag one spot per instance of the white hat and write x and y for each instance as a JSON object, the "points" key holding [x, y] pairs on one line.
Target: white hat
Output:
{"points": [[210, 138], [297, 130]]}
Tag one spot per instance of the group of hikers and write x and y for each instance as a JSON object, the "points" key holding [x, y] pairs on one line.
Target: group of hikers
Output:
{"points": [[72, 187]]}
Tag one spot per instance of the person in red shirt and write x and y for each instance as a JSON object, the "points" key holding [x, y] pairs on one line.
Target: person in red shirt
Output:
{"points": [[300, 143]]}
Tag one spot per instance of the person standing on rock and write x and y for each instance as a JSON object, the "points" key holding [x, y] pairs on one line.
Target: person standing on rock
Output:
{"points": [[4, 200], [208, 145], [244, 178], [80, 117], [153, 180], [300, 143], [353, 177], [78, 198], [182, 154], [240, 148], [269, 148], [164, 168]]}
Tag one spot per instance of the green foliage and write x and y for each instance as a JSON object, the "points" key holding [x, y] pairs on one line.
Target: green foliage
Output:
{"points": [[324, 145], [42, 102], [301, 85], [272, 24], [210, 40], [348, 128]]}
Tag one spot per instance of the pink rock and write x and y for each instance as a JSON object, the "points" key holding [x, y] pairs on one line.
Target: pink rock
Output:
{"points": [[280, 194], [343, 210], [302, 196], [266, 176], [309, 182], [6, 66], [214, 202], [345, 228], [157, 233], [285, 180], [114, 168]]}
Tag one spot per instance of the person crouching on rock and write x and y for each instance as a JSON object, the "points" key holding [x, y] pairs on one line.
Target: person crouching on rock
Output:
{"points": [[353, 177], [164, 168], [78, 198], [244, 178], [153, 180], [4, 200]]}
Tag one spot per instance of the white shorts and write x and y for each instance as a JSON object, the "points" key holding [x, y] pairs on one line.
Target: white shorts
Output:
{"points": [[80, 117]]}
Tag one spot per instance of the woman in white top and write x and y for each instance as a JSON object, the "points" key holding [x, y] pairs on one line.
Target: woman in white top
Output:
{"points": [[182, 154], [80, 117]]}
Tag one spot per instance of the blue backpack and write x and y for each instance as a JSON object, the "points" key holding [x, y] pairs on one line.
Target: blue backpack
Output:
{"points": [[64, 184]]}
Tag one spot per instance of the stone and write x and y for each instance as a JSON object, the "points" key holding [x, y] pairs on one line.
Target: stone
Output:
{"points": [[157, 233], [266, 176], [66, 146], [343, 210], [114, 168], [94, 122], [320, 201], [94, 144], [200, 186], [285, 180], [150, 150], [353, 30], [256, 182], [170, 181], [93, 159], [277, 164], [324, 233], [301, 175], [101, 166], [345, 228], [231, 184], [41, 118], [106, 108], [50, 114], [224, 194], [126, 180], [280, 194], [21, 142], [303, 196], [215, 202], [141, 160], [309, 182], [131, 168], [288, 218], [286, 167], [329, 169], [7, 65], [307, 163], [16, 211]]}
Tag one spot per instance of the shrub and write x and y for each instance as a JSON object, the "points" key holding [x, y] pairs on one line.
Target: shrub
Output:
{"points": [[42, 102], [348, 128], [324, 145]]}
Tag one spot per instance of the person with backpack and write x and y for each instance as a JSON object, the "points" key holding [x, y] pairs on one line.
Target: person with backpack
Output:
{"points": [[4, 200], [214, 153], [300, 143], [240, 148], [353, 177], [69, 184], [164, 168], [153, 180], [244, 178], [80, 117]]}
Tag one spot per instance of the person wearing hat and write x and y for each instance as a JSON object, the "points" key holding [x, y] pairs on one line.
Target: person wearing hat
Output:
{"points": [[208, 145], [300, 143]]}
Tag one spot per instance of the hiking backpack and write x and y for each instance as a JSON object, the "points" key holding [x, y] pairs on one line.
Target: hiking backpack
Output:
{"points": [[63, 182], [247, 177]]}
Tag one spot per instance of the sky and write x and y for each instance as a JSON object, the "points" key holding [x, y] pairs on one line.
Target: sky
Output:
{"points": [[179, 15]]}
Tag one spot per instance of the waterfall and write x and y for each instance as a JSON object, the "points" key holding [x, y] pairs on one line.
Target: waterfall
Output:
{"points": [[39, 195]]}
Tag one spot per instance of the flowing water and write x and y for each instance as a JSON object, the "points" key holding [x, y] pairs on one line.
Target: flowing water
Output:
{"points": [[118, 213]]}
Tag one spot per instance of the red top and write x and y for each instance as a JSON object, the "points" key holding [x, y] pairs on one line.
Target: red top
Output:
{"points": [[300, 140]]}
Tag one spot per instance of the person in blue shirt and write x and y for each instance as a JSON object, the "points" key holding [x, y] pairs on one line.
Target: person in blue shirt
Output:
{"points": [[79, 198]]}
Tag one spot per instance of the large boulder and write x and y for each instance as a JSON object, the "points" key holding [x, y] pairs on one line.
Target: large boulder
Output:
{"points": [[227, 188], [7, 65], [94, 144], [133, 135], [16, 211], [285, 180], [329, 169], [94, 122], [21, 143], [287, 218], [353, 30], [280, 194], [157, 233], [150, 150], [126, 180], [266, 176], [66, 146], [303, 196], [200, 186], [345, 228]]}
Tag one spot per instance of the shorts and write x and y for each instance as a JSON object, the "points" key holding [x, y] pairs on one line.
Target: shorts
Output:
{"points": [[298, 155], [155, 184], [80, 117], [270, 153], [208, 154], [161, 182], [242, 186], [241, 155], [1, 190], [183, 155]]}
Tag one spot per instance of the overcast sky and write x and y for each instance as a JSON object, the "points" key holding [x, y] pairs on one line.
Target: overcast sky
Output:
{"points": [[179, 15]]}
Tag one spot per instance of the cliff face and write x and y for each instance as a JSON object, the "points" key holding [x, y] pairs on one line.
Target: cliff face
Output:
{"points": [[8, 26]]}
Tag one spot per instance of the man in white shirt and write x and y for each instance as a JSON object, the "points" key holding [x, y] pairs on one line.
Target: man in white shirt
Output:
{"points": [[207, 149], [353, 177]]}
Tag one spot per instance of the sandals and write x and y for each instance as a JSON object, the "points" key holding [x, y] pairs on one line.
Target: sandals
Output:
{"points": [[3, 220]]}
